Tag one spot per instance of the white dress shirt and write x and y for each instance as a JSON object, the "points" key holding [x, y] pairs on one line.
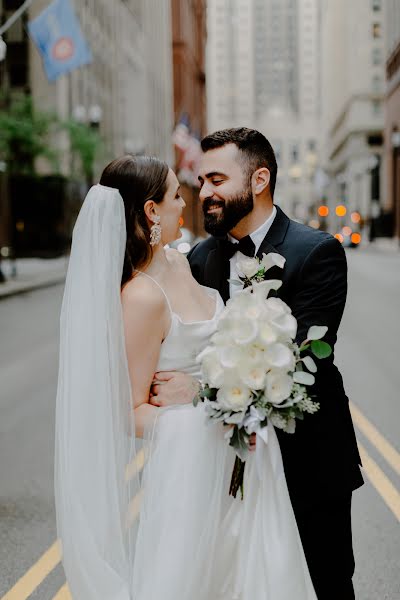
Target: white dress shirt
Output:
{"points": [[257, 236]]}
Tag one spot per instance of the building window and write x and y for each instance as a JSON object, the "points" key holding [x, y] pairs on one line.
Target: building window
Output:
{"points": [[376, 84], [311, 145], [376, 30], [376, 56], [376, 5], [376, 108], [294, 153]]}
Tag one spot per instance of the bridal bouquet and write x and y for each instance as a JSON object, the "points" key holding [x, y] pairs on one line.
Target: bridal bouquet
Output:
{"points": [[253, 371]]}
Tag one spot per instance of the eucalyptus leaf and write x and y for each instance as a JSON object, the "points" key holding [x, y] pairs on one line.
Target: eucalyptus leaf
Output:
{"points": [[321, 349], [303, 377], [316, 332], [235, 418], [310, 364]]}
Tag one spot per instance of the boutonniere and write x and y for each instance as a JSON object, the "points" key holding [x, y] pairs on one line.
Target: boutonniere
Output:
{"points": [[253, 270]]}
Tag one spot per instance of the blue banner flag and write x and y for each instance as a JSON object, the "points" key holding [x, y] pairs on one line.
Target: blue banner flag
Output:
{"points": [[58, 36]]}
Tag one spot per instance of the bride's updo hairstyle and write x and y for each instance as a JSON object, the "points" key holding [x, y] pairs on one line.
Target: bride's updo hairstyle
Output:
{"points": [[138, 179]]}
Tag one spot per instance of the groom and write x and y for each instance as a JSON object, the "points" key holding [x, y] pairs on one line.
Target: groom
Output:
{"points": [[237, 177]]}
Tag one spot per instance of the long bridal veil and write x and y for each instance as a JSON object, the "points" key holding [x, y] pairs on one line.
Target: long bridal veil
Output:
{"points": [[96, 484]]}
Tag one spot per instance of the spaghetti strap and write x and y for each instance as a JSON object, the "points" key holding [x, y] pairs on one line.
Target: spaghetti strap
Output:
{"points": [[158, 285]]}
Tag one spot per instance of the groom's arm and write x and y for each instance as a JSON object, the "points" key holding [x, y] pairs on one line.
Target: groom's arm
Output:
{"points": [[322, 289]]}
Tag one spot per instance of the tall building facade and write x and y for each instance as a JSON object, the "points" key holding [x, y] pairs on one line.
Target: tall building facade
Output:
{"points": [[127, 91], [353, 88], [263, 71], [392, 123]]}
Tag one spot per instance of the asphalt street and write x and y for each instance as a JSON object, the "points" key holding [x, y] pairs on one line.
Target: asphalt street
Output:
{"points": [[367, 354]]}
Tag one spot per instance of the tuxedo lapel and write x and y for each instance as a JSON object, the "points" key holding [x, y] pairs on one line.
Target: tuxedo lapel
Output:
{"points": [[217, 271], [272, 241], [275, 235]]}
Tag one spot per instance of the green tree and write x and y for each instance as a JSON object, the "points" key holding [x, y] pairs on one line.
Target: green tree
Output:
{"points": [[25, 135], [85, 143]]}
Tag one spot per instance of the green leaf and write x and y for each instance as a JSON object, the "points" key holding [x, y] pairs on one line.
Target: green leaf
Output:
{"points": [[321, 349], [207, 393]]}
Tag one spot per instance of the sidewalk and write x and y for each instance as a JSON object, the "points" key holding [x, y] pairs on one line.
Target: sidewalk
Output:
{"points": [[31, 274]]}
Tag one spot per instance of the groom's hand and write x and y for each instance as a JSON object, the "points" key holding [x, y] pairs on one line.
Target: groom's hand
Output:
{"points": [[172, 387]]}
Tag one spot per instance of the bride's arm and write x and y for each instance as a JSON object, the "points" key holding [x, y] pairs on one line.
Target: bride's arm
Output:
{"points": [[146, 321]]}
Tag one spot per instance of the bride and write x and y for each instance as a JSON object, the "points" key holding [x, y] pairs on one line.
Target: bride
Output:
{"points": [[168, 530]]}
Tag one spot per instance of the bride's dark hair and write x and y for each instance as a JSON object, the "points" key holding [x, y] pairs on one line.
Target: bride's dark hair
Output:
{"points": [[138, 179]]}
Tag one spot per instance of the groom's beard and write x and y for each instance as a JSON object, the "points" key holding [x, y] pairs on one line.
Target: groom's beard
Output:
{"points": [[233, 210]]}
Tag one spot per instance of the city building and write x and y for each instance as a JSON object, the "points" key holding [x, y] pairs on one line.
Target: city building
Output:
{"points": [[263, 71], [353, 91], [189, 40], [391, 204], [126, 92]]}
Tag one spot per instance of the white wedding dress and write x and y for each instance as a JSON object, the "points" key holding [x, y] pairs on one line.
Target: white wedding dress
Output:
{"points": [[194, 541], [191, 540]]}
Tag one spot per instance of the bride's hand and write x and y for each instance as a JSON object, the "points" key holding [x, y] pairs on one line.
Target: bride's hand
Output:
{"points": [[171, 388]]}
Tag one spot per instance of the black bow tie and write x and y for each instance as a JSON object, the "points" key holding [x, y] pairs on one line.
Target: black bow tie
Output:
{"points": [[245, 246]]}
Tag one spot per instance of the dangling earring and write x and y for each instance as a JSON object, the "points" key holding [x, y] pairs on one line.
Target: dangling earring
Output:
{"points": [[155, 231]]}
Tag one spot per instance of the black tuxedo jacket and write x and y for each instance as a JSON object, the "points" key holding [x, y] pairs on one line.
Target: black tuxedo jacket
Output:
{"points": [[321, 457]]}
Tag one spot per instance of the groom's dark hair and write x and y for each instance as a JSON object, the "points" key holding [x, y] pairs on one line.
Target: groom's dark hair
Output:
{"points": [[255, 149]]}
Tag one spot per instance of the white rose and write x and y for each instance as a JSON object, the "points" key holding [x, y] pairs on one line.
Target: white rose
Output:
{"points": [[266, 334], [235, 397], [245, 331], [246, 266], [279, 386], [252, 375], [211, 369], [276, 308]]}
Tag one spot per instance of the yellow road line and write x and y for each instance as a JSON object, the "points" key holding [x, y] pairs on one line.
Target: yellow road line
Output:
{"points": [[381, 482], [388, 452], [50, 559], [63, 593], [133, 512], [34, 577]]}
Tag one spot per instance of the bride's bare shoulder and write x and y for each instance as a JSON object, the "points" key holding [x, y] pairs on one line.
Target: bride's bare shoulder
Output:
{"points": [[144, 295], [177, 258]]}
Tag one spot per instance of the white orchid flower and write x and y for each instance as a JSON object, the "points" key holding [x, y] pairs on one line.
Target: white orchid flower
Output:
{"points": [[229, 356], [272, 259], [286, 326], [279, 356], [261, 289]]}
